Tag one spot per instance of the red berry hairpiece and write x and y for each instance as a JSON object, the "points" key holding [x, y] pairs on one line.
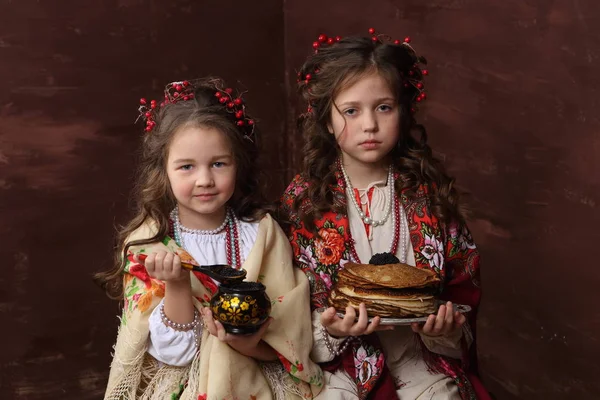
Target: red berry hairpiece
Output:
{"points": [[182, 91], [174, 92], [236, 106], [414, 77]]}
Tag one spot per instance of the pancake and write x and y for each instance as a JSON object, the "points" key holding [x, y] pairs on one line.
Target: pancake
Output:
{"points": [[396, 276], [390, 290], [384, 304]]}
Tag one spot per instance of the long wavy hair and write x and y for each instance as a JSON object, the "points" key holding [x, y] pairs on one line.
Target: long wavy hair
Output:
{"points": [[152, 192], [336, 67]]}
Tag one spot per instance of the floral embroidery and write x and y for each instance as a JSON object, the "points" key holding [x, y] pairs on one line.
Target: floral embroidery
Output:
{"points": [[326, 279], [365, 364], [453, 230], [144, 301], [306, 256], [286, 363], [329, 248], [460, 239], [158, 288], [140, 289], [466, 240], [433, 250], [368, 365], [297, 368], [292, 368], [139, 271]]}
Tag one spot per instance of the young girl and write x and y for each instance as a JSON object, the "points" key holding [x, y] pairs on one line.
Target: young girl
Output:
{"points": [[370, 185], [198, 199]]}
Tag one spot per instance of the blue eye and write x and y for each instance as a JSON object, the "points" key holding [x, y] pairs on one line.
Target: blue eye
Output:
{"points": [[384, 108], [218, 164], [350, 112], [186, 167]]}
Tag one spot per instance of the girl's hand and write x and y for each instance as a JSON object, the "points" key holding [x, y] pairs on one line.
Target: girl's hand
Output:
{"points": [[248, 345], [445, 323], [348, 326], [165, 266]]}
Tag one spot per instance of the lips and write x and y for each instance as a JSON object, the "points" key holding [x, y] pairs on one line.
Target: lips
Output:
{"points": [[205, 196], [370, 144]]}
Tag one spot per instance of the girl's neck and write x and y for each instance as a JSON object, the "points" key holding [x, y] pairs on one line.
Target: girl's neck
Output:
{"points": [[194, 220], [363, 174]]}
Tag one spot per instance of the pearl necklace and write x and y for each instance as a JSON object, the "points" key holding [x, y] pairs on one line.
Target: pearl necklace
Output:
{"points": [[366, 219], [175, 218], [232, 243], [399, 220]]}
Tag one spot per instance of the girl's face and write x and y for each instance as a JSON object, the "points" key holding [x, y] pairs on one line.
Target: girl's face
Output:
{"points": [[202, 174], [365, 121]]}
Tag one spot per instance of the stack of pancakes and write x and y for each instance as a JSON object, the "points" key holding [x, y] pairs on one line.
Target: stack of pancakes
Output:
{"points": [[390, 290]]}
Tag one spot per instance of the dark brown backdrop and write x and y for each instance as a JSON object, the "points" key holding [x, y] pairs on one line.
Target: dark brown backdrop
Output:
{"points": [[72, 73], [513, 109]]}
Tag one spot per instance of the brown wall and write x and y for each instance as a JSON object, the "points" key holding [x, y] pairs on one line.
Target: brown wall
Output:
{"points": [[513, 110], [72, 73]]}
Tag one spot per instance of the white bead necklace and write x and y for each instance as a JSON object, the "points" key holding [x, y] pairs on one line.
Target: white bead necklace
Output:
{"points": [[366, 219], [175, 218]]}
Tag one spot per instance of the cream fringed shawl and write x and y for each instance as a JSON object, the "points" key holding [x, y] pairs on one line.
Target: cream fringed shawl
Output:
{"points": [[218, 372]]}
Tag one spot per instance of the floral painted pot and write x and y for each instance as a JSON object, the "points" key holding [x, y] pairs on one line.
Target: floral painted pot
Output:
{"points": [[241, 308]]}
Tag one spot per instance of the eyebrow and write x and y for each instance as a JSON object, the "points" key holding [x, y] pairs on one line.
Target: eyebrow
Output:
{"points": [[183, 160], [191, 160], [355, 103]]}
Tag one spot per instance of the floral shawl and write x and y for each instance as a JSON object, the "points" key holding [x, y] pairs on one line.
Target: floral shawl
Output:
{"points": [[449, 251], [218, 372]]}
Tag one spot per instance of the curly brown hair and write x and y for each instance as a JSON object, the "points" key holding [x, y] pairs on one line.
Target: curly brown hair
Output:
{"points": [[337, 67], [152, 193]]}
